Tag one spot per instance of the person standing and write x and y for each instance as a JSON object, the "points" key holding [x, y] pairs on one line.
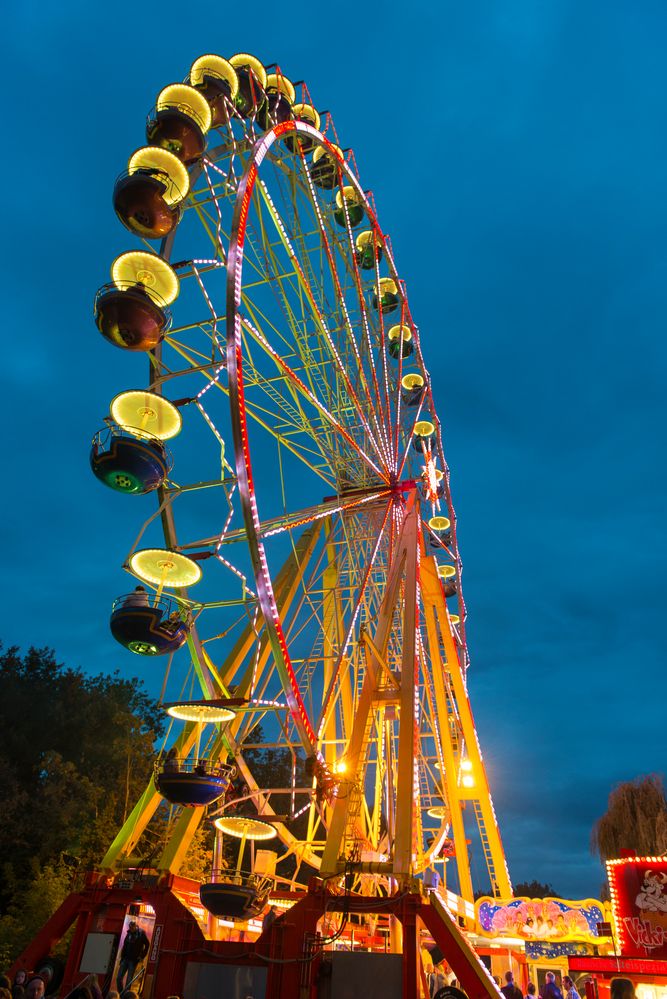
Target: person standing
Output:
{"points": [[18, 988], [568, 988], [437, 980], [622, 988], [509, 989], [134, 950], [550, 990]]}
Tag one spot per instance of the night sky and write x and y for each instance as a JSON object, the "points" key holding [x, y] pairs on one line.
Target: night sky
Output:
{"points": [[518, 157]]}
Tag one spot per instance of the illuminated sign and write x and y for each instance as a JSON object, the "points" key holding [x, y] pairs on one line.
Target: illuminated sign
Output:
{"points": [[617, 965], [540, 919], [638, 887]]}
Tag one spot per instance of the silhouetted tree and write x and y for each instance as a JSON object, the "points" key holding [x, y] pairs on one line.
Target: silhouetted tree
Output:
{"points": [[636, 819], [534, 889], [75, 753]]}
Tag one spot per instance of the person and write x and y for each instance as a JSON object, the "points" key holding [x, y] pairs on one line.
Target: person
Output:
{"points": [[35, 988], [437, 980], [540, 928], [550, 990], [138, 598], [173, 622], [569, 990], [81, 992], [622, 988], [171, 761], [18, 988], [531, 990], [270, 917], [509, 989], [134, 949]]}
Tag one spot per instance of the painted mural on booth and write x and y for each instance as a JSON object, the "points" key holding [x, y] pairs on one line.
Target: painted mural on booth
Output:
{"points": [[547, 919]]}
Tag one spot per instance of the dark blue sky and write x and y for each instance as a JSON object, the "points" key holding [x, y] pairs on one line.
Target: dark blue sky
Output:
{"points": [[518, 157]]}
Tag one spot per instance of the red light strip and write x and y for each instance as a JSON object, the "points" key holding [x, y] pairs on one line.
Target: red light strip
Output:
{"points": [[240, 431]]}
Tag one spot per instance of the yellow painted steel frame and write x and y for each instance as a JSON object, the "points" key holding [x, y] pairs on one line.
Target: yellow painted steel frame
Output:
{"points": [[413, 575], [212, 683], [412, 586], [452, 695]]}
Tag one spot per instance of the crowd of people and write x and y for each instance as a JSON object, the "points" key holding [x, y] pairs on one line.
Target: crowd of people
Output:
{"points": [[134, 950], [550, 989], [24, 986], [438, 976], [621, 988], [29, 986]]}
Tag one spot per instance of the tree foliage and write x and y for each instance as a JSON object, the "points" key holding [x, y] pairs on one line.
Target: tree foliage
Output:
{"points": [[75, 754], [635, 820], [272, 768], [32, 901]]}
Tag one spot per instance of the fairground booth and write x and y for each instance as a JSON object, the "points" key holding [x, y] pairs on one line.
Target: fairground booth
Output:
{"points": [[638, 892], [532, 936]]}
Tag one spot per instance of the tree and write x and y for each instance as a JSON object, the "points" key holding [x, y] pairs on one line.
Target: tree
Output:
{"points": [[75, 753], [534, 889], [32, 903], [636, 820]]}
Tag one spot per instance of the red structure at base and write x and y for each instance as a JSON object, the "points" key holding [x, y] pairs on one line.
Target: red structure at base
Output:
{"points": [[289, 959]]}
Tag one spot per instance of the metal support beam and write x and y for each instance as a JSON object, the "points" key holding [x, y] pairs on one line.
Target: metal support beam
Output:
{"points": [[404, 843]]}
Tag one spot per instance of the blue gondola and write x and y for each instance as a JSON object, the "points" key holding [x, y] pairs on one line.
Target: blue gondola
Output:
{"points": [[237, 897], [129, 464], [147, 629], [193, 783]]}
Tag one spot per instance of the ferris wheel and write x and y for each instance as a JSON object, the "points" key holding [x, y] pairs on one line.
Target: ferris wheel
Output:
{"points": [[300, 577]]}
